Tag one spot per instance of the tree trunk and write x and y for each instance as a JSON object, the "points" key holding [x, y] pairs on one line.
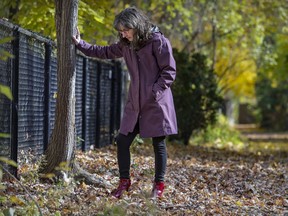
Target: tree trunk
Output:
{"points": [[13, 10], [61, 149], [213, 36], [63, 140]]}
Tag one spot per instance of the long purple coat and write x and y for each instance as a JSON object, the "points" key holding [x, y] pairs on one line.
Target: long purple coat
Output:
{"points": [[152, 70]]}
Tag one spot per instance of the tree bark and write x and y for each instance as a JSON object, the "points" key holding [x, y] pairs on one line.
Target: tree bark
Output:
{"points": [[60, 154], [62, 144]]}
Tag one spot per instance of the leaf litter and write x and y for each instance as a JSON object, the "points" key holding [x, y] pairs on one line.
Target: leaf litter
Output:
{"points": [[199, 181]]}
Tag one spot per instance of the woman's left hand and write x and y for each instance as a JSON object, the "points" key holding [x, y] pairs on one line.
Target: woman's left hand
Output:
{"points": [[76, 38]]}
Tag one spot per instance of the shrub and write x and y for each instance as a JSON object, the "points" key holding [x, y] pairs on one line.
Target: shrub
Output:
{"points": [[195, 95], [272, 103], [220, 135]]}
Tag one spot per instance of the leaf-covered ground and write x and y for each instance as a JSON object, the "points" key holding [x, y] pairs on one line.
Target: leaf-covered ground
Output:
{"points": [[199, 181]]}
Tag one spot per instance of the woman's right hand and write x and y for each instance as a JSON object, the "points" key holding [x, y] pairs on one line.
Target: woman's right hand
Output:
{"points": [[76, 38]]}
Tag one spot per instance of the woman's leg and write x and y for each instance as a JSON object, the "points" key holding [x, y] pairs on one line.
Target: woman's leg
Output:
{"points": [[160, 166], [123, 156], [160, 158], [123, 152]]}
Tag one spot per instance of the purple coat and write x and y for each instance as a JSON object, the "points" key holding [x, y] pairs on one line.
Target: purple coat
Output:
{"points": [[152, 70]]}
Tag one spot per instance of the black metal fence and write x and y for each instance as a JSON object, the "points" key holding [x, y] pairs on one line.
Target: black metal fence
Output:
{"points": [[32, 76]]}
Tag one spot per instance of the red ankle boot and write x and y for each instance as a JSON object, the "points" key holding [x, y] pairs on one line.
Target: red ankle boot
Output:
{"points": [[158, 188], [124, 185]]}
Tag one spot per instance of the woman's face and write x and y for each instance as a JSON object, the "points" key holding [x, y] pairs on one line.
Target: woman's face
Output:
{"points": [[127, 33]]}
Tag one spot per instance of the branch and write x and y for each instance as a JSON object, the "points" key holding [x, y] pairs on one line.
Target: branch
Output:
{"points": [[220, 36], [198, 29], [40, 212], [232, 65], [213, 35], [89, 178], [177, 206], [225, 87]]}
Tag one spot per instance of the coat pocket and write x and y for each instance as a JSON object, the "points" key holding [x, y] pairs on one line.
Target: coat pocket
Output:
{"points": [[157, 92]]}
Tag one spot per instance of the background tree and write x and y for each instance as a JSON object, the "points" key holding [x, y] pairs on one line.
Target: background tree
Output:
{"points": [[229, 33], [60, 153], [94, 18], [271, 88], [233, 34]]}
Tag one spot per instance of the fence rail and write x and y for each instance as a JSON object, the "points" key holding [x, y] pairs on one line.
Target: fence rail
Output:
{"points": [[32, 76]]}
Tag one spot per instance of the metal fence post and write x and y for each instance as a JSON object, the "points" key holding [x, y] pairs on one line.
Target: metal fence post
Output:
{"points": [[112, 102], [98, 104], [15, 90], [47, 90], [84, 101], [119, 93]]}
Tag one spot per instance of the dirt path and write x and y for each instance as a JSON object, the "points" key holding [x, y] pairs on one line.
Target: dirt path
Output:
{"points": [[253, 133]]}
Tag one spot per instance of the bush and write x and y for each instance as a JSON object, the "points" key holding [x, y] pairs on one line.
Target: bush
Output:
{"points": [[220, 135], [272, 103], [195, 95]]}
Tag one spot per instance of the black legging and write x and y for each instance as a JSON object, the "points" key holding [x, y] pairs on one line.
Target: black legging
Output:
{"points": [[124, 159]]}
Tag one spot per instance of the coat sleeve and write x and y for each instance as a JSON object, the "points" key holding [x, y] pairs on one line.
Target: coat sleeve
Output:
{"points": [[103, 52], [162, 51]]}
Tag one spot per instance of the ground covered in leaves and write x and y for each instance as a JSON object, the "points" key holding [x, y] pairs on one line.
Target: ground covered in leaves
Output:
{"points": [[199, 181]]}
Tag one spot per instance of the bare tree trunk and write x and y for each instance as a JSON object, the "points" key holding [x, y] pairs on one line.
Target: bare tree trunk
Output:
{"points": [[191, 45], [13, 10], [62, 143], [213, 36], [61, 148]]}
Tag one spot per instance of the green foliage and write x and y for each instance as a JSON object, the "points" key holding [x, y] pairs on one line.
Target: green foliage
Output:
{"points": [[123, 207], [136, 143], [220, 135], [195, 94], [114, 210], [229, 33], [37, 16], [95, 18], [5, 90], [3, 199], [7, 212], [271, 87], [8, 161], [272, 101], [4, 55], [4, 135]]}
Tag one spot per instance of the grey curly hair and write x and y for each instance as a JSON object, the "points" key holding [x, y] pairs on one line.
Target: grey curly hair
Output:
{"points": [[133, 18]]}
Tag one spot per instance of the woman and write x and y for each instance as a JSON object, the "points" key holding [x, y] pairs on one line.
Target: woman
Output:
{"points": [[149, 110]]}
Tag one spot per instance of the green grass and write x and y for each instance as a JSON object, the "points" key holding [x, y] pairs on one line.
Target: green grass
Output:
{"points": [[224, 136], [221, 135]]}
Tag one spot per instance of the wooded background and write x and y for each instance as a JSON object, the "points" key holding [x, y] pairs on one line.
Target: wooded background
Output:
{"points": [[245, 42], [234, 50]]}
